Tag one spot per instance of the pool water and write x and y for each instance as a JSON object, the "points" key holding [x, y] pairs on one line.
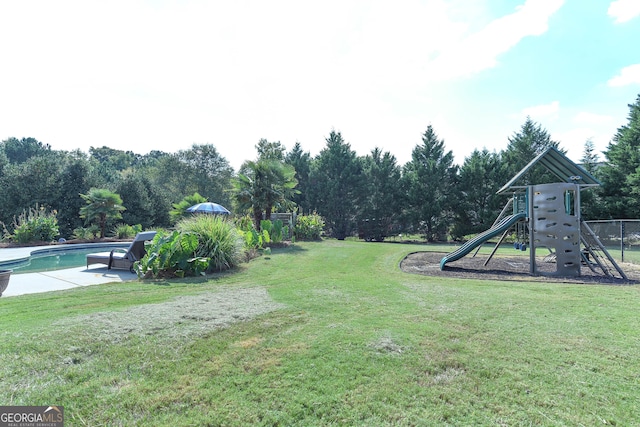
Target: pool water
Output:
{"points": [[58, 260]]}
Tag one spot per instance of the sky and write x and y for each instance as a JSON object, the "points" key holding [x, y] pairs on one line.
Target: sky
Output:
{"points": [[144, 75]]}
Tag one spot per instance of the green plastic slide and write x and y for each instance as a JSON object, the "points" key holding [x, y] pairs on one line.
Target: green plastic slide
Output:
{"points": [[499, 228]]}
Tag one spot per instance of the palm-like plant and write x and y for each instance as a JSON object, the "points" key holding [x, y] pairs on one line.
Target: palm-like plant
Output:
{"points": [[264, 185], [102, 206], [179, 210]]}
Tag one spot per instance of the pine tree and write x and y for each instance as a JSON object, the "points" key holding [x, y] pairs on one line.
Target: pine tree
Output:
{"points": [[523, 147], [482, 174], [621, 175], [429, 181], [336, 176], [590, 158], [301, 162], [382, 195]]}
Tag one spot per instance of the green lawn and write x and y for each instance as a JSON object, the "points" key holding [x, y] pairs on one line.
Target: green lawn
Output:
{"points": [[327, 333]]}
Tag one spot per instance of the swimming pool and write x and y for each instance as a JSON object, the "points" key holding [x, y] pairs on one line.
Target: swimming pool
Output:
{"points": [[57, 258]]}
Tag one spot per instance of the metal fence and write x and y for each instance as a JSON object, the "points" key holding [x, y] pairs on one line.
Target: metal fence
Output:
{"points": [[621, 237]]}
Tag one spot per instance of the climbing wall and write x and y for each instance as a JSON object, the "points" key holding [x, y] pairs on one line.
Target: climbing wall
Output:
{"points": [[554, 212]]}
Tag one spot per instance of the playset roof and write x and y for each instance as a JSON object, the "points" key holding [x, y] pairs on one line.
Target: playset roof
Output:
{"points": [[559, 165]]}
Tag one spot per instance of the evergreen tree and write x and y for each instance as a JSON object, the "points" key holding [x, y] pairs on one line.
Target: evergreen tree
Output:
{"points": [[301, 162], [621, 175], [590, 203], [481, 176], [21, 150], [590, 158], [523, 147], [336, 177], [382, 195], [429, 180]]}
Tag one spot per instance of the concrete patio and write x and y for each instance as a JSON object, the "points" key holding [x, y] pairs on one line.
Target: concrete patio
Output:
{"points": [[30, 283]]}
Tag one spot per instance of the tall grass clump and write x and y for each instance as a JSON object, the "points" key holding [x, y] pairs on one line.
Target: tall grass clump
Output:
{"points": [[218, 240], [35, 225]]}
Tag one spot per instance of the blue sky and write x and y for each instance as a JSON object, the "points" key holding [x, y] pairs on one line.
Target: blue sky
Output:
{"points": [[162, 75]]}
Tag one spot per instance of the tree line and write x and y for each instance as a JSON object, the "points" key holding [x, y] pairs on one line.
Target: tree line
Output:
{"points": [[429, 195]]}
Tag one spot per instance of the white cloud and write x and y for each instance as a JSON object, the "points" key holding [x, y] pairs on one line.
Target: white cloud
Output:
{"points": [[480, 50], [143, 75], [543, 111], [628, 76], [624, 10]]}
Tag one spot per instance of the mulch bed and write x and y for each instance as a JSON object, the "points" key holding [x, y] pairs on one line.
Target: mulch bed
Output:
{"points": [[505, 268]]}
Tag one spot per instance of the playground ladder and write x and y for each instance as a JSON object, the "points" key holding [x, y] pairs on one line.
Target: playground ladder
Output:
{"points": [[598, 253]]}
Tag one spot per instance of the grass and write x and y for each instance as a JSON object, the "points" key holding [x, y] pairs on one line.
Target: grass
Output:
{"points": [[326, 333]]}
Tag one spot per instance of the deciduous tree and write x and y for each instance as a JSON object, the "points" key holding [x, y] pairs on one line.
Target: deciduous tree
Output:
{"points": [[145, 205], [34, 181], [202, 169], [75, 179]]}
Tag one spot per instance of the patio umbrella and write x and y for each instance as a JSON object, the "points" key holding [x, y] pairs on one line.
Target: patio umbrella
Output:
{"points": [[210, 208]]}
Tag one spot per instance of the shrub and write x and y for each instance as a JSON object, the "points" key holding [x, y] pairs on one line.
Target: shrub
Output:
{"points": [[35, 225], [308, 227], [171, 255], [270, 233], [273, 232], [86, 233], [81, 233], [249, 235], [218, 240], [125, 231], [251, 239], [94, 231], [5, 236]]}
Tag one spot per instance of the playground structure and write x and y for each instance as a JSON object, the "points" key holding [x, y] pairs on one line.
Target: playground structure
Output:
{"points": [[547, 216]]}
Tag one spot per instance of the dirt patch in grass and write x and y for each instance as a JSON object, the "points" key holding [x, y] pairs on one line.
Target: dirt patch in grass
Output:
{"points": [[505, 268], [183, 317]]}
